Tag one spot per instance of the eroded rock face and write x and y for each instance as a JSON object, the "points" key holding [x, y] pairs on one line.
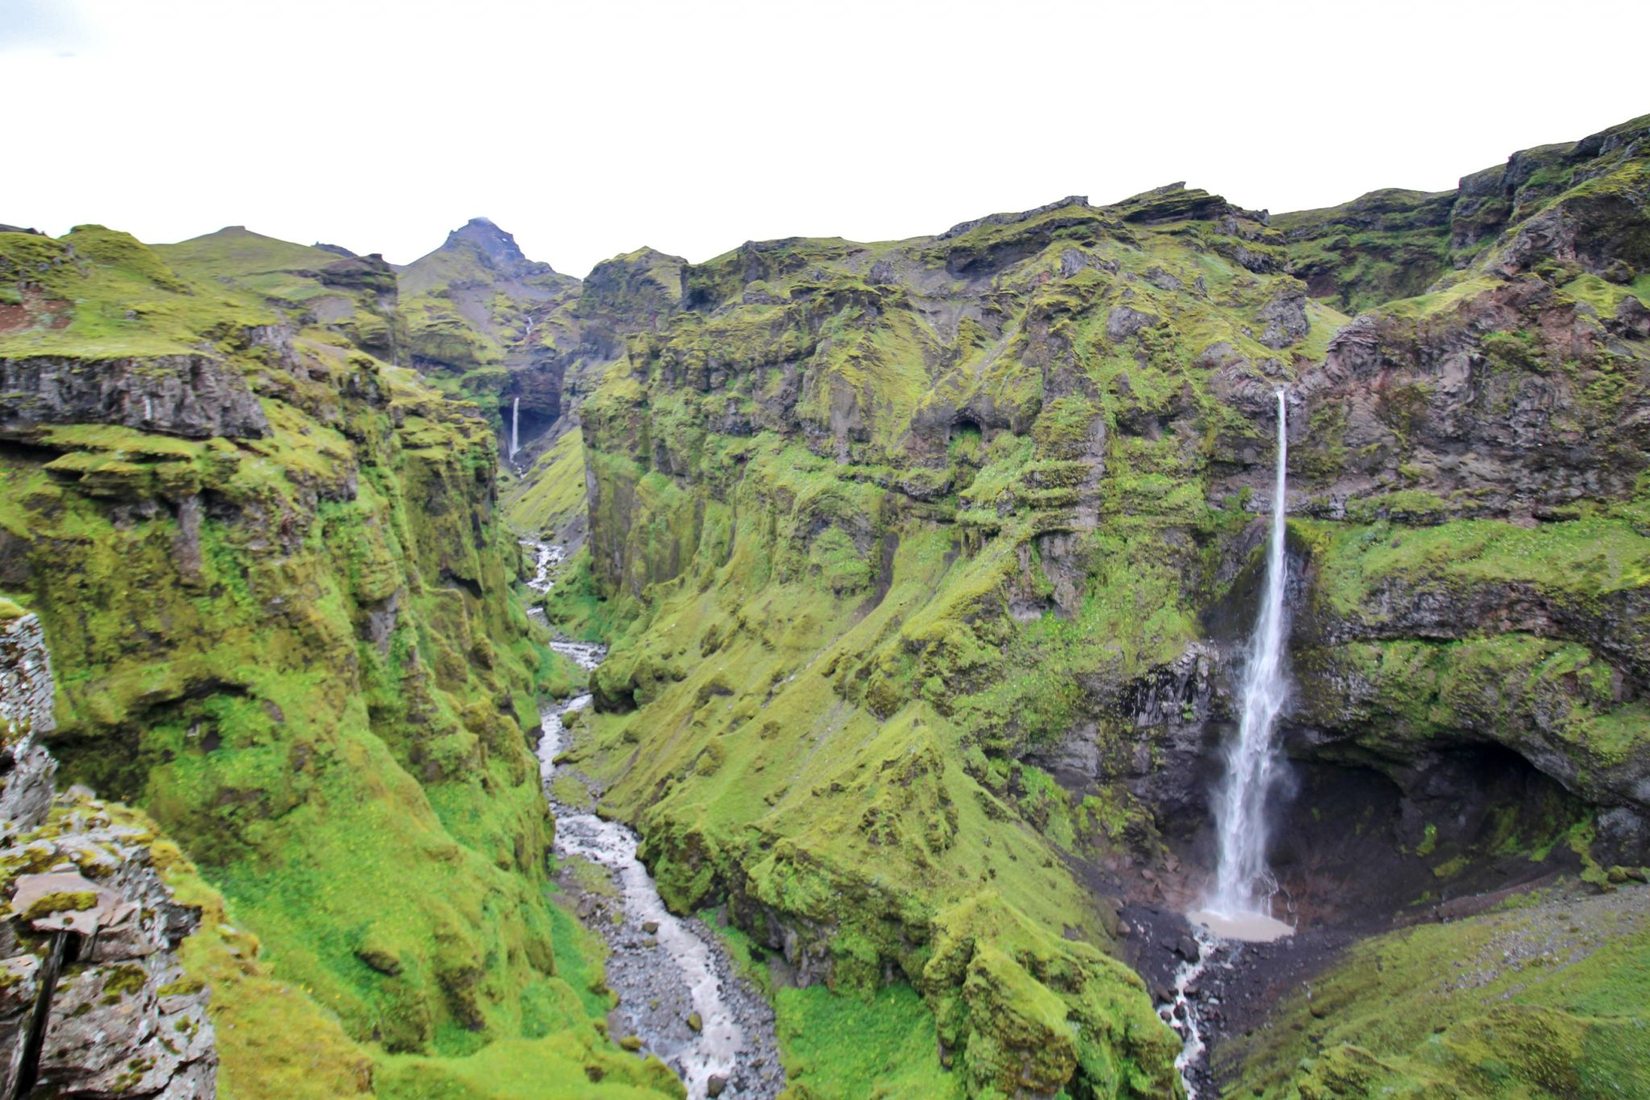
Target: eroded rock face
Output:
{"points": [[25, 717], [1493, 409], [193, 396], [1285, 317], [123, 1017], [1515, 397]]}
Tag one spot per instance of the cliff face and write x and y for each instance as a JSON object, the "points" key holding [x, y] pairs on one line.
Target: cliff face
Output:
{"points": [[1479, 455], [1394, 244], [901, 515], [26, 717], [937, 554], [279, 606]]}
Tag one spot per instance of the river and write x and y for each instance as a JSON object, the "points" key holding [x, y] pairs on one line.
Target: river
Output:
{"points": [[668, 972]]}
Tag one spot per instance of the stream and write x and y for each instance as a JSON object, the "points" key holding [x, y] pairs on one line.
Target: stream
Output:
{"points": [[669, 973]]}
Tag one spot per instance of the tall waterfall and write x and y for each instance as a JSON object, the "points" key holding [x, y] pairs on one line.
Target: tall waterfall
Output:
{"points": [[1243, 883], [515, 427]]}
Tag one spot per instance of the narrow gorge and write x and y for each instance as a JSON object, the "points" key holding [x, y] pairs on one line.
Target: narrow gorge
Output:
{"points": [[1155, 649]]}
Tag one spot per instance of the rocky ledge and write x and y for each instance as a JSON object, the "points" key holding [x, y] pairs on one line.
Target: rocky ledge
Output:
{"points": [[93, 1001]]}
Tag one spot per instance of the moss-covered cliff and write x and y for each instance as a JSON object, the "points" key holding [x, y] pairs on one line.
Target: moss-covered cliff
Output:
{"points": [[934, 555], [278, 601]]}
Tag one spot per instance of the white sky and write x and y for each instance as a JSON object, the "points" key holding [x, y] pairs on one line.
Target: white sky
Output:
{"points": [[589, 129]]}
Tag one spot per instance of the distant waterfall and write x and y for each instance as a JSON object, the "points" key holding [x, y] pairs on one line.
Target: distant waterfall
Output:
{"points": [[515, 427], [1243, 884]]}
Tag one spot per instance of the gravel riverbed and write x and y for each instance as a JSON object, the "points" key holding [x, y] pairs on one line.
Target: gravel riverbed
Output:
{"points": [[679, 995]]}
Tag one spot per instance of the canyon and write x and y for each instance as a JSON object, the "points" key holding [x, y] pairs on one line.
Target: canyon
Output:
{"points": [[926, 571]]}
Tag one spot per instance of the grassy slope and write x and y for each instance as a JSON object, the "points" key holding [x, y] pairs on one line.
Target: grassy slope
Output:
{"points": [[1542, 1000], [549, 498], [835, 1047], [371, 814]]}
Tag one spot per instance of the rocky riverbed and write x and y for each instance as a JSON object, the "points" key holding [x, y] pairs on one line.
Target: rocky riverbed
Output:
{"points": [[1208, 988], [679, 996]]}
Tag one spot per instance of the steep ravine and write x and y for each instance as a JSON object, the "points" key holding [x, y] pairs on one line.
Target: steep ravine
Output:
{"points": [[268, 562]]}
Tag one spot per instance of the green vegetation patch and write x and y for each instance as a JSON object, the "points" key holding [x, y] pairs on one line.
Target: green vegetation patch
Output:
{"points": [[1542, 1001]]}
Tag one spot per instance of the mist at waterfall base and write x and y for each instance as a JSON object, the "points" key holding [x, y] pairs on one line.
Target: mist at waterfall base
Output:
{"points": [[1239, 904]]}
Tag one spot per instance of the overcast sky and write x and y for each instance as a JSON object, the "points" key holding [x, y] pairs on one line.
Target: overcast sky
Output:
{"points": [[589, 129]]}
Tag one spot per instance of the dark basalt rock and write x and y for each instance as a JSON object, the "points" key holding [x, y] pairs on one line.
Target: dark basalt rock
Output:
{"points": [[495, 248], [1174, 202], [194, 396], [1015, 217], [1285, 318], [26, 768], [360, 273], [1123, 322]]}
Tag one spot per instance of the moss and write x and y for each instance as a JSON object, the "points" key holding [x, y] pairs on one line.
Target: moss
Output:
{"points": [[837, 1046], [122, 981], [1064, 427], [59, 901], [1585, 559], [182, 987], [519, 1069], [881, 821], [943, 546], [550, 497], [1384, 245]]}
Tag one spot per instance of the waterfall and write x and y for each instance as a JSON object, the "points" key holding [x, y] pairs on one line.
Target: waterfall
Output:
{"points": [[1242, 895], [515, 427]]}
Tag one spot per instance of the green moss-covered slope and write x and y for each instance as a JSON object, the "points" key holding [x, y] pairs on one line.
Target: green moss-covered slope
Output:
{"points": [[1393, 244], [548, 499], [890, 522], [1545, 999]]}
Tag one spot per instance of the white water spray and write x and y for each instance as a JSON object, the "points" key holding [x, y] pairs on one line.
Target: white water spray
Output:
{"points": [[515, 427], [1242, 897]]}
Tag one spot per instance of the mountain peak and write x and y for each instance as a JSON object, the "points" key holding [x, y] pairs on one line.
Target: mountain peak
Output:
{"points": [[495, 247]]}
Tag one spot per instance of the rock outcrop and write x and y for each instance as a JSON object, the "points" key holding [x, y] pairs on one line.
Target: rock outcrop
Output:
{"points": [[26, 768], [194, 396], [93, 999]]}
